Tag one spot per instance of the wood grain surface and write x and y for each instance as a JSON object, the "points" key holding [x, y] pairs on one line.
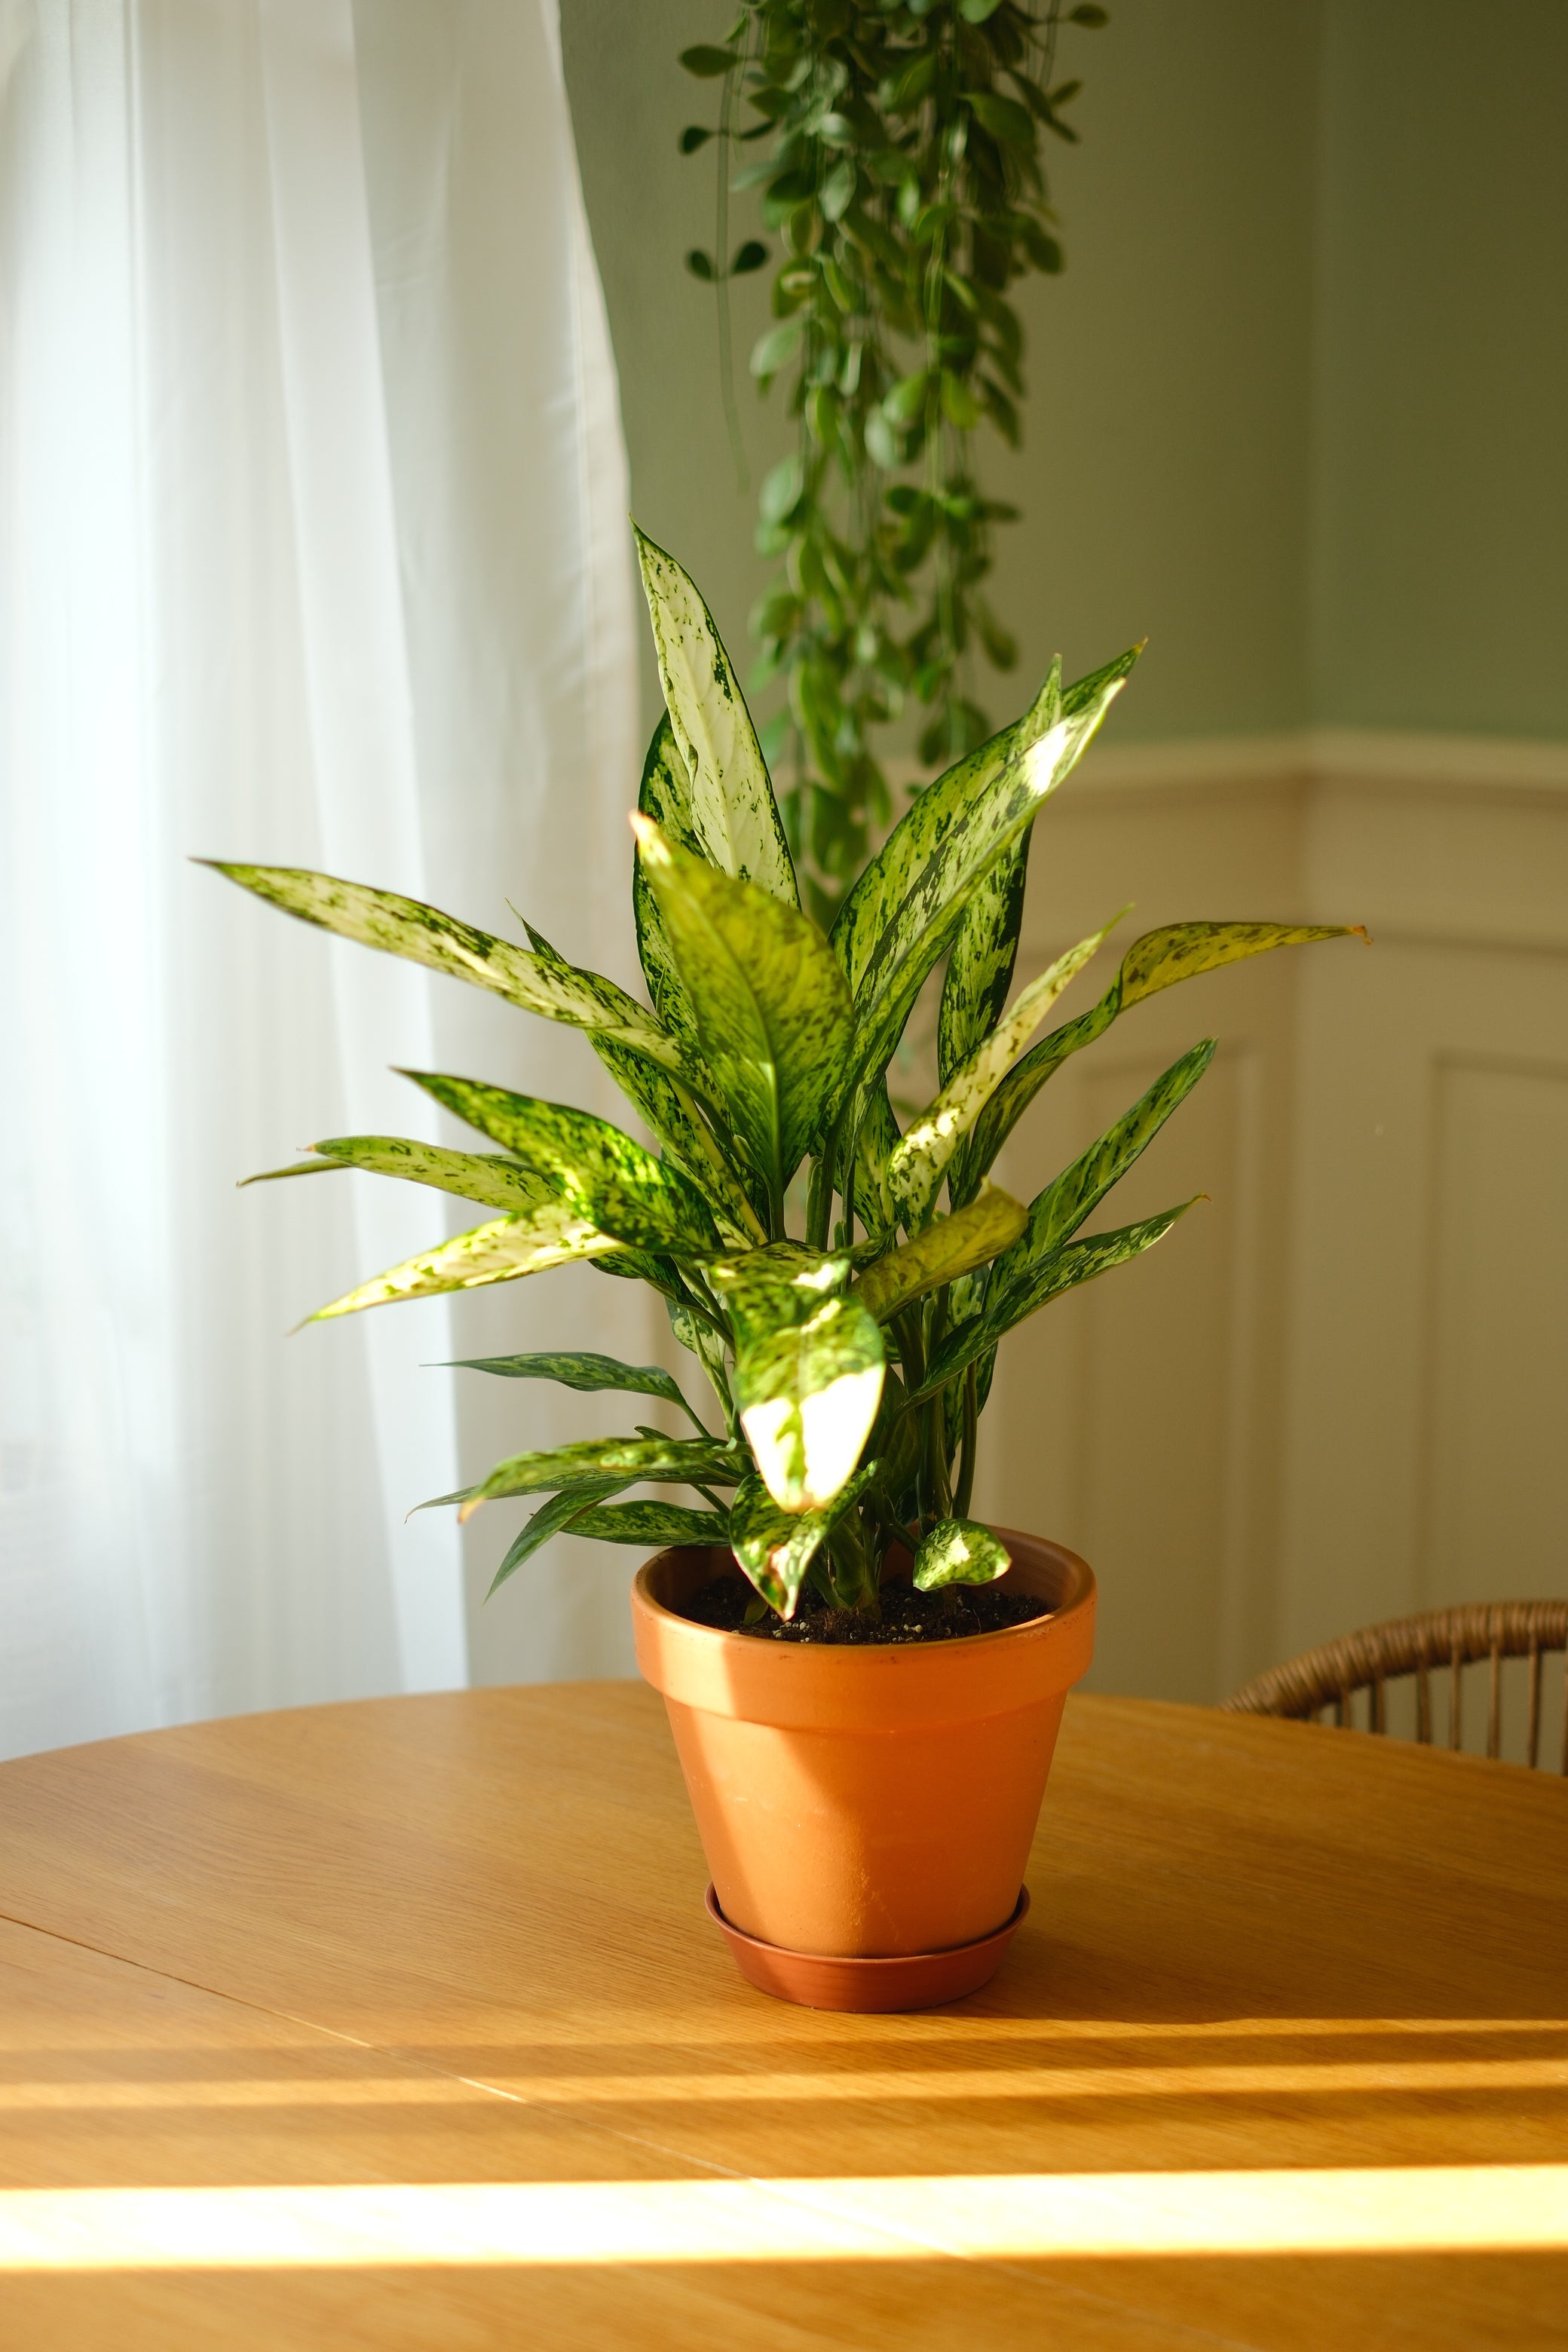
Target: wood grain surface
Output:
{"points": [[411, 1948]]}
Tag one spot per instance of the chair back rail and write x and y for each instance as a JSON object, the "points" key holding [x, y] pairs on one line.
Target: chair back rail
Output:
{"points": [[1437, 1639]]}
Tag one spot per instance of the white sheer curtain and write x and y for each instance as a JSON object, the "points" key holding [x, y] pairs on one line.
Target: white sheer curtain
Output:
{"points": [[313, 501]]}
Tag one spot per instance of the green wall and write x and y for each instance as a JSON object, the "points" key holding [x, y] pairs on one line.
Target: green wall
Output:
{"points": [[1441, 555], [1297, 405]]}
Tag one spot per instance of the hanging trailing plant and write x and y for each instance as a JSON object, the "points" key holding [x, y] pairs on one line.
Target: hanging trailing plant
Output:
{"points": [[904, 178]]}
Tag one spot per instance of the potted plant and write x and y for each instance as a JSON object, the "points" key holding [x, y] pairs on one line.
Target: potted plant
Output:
{"points": [[864, 1684]]}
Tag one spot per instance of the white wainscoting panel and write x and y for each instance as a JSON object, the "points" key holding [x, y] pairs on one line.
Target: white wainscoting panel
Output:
{"points": [[1337, 1392], [1495, 1488]]}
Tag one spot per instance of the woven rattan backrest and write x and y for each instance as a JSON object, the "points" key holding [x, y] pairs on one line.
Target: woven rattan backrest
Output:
{"points": [[1441, 1638]]}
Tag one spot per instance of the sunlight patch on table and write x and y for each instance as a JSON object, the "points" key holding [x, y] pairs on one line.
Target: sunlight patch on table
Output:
{"points": [[1376, 2078], [1393, 2209]]}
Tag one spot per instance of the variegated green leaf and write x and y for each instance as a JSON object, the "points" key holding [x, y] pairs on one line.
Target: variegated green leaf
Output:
{"points": [[650, 1524], [677, 1119], [583, 1371], [695, 1333], [917, 1165], [1159, 959], [481, 1176], [654, 1461], [550, 1236], [731, 815], [980, 967], [875, 1140], [665, 797], [776, 1548], [667, 1103], [785, 1283], [897, 1441], [960, 1551], [772, 1013], [1065, 1269], [550, 1520], [404, 927], [875, 904], [1181, 950], [915, 861], [808, 1399], [946, 1249], [600, 1171], [660, 1274], [808, 1369], [1056, 1212], [919, 887]]}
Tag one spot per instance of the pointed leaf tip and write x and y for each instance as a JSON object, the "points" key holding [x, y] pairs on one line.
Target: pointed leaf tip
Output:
{"points": [[729, 799]]}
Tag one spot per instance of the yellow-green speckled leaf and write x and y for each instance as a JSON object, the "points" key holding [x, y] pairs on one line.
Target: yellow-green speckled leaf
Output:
{"points": [[1056, 1212], [948, 1247], [1065, 1269], [601, 1172], [552, 1234], [1159, 959], [404, 927], [659, 1460], [960, 1551], [483, 1176], [907, 908], [809, 1364], [733, 819], [772, 1014], [650, 1525], [775, 1547], [980, 966], [918, 1160]]}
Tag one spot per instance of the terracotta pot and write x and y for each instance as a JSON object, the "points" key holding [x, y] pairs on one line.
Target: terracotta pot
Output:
{"points": [[865, 1802]]}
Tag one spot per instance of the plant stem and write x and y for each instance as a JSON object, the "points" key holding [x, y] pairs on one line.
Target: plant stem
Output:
{"points": [[936, 1456], [966, 1493], [722, 272], [716, 1160], [936, 1415], [693, 1298], [819, 1200]]}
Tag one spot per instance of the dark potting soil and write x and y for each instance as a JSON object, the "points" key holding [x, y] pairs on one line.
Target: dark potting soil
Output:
{"points": [[907, 1615]]}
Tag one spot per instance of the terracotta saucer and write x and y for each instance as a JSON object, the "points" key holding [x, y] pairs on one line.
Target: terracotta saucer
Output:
{"points": [[910, 1981]]}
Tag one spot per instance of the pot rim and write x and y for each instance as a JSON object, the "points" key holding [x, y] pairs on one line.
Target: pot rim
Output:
{"points": [[870, 1687]]}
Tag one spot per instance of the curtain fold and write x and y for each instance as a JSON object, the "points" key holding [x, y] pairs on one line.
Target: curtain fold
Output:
{"points": [[249, 607], [521, 612]]}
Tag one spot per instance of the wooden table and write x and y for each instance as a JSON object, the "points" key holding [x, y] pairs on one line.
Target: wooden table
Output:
{"points": [[399, 2025]]}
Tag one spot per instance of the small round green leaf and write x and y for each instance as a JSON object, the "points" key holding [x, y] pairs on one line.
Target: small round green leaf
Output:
{"points": [[701, 265], [907, 397], [959, 405], [882, 442], [751, 255], [781, 490], [695, 135], [839, 190], [708, 63], [771, 350], [1005, 119]]}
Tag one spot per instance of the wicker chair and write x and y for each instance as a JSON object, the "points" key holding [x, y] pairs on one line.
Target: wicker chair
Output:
{"points": [[1441, 1638]]}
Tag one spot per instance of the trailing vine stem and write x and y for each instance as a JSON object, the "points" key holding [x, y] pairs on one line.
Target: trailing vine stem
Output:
{"points": [[905, 186]]}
